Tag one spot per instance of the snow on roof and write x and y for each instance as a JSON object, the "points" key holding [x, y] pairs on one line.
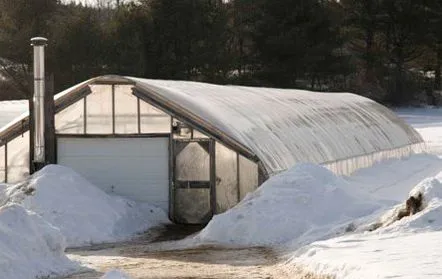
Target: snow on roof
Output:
{"points": [[10, 110], [286, 126]]}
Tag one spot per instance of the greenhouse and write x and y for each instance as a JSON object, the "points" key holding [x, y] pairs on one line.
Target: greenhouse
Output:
{"points": [[196, 149]]}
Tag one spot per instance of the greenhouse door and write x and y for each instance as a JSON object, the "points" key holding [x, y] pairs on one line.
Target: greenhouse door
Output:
{"points": [[193, 181]]}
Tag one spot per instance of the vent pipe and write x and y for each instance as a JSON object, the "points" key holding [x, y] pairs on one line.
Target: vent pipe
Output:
{"points": [[39, 44]]}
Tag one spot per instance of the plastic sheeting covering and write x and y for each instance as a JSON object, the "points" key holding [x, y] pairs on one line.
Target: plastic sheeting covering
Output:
{"points": [[99, 110], [226, 178], [248, 176], [285, 126], [71, 119], [18, 158], [126, 110], [2, 164]]}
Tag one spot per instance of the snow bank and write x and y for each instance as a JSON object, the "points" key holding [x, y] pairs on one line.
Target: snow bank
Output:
{"points": [[408, 248], [430, 218], [302, 204], [29, 246], [83, 212], [115, 274]]}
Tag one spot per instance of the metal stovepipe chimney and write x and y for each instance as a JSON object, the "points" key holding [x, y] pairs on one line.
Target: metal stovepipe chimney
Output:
{"points": [[39, 44]]}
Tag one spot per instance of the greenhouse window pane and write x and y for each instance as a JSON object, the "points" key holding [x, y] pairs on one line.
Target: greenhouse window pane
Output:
{"points": [[248, 176], [2, 164], [99, 110], [126, 110], [18, 158], [71, 119], [153, 120], [226, 178]]}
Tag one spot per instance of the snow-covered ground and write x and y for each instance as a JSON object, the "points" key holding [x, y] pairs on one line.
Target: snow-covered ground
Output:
{"points": [[428, 122], [324, 224], [56, 208], [409, 248]]}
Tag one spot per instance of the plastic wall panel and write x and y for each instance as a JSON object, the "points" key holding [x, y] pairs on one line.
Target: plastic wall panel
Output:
{"points": [[226, 178], [349, 166], [2, 164], [248, 176], [153, 120], [99, 110], [192, 206], [193, 163], [285, 126], [71, 119], [18, 158], [126, 110]]}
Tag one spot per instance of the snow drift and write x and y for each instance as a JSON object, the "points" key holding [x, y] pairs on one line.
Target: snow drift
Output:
{"points": [[304, 204], [83, 212], [407, 248], [428, 219], [30, 246]]}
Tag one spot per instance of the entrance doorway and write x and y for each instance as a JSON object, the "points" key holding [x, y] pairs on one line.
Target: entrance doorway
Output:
{"points": [[193, 187]]}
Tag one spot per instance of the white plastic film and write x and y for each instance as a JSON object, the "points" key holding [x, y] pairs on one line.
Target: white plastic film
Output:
{"points": [[71, 119], [2, 164], [226, 178], [18, 158], [99, 110], [193, 163], [126, 110], [248, 176], [286, 126], [153, 120]]}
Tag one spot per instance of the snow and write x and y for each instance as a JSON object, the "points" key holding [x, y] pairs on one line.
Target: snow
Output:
{"points": [[346, 227], [305, 200], [65, 199], [30, 246], [408, 248], [115, 274], [57, 208], [309, 203], [428, 122]]}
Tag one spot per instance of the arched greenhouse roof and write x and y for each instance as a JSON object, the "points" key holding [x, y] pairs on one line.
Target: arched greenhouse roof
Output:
{"points": [[278, 127]]}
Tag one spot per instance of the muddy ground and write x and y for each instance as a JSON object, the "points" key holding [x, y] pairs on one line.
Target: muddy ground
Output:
{"points": [[155, 255]]}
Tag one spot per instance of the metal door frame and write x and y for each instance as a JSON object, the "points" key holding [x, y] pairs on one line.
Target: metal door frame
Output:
{"points": [[172, 168]]}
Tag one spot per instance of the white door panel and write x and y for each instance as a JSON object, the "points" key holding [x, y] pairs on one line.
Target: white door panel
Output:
{"points": [[137, 168]]}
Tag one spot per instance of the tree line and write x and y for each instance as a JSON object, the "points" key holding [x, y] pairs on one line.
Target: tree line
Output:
{"points": [[388, 50]]}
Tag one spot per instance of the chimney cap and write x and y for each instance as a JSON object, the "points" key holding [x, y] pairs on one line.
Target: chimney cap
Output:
{"points": [[39, 41]]}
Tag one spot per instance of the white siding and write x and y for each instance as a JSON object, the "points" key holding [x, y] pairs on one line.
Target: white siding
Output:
{"points": [[137, 168]]}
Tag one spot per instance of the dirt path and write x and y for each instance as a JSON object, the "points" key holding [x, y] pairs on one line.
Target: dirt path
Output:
{"points": [[148, 258]]}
